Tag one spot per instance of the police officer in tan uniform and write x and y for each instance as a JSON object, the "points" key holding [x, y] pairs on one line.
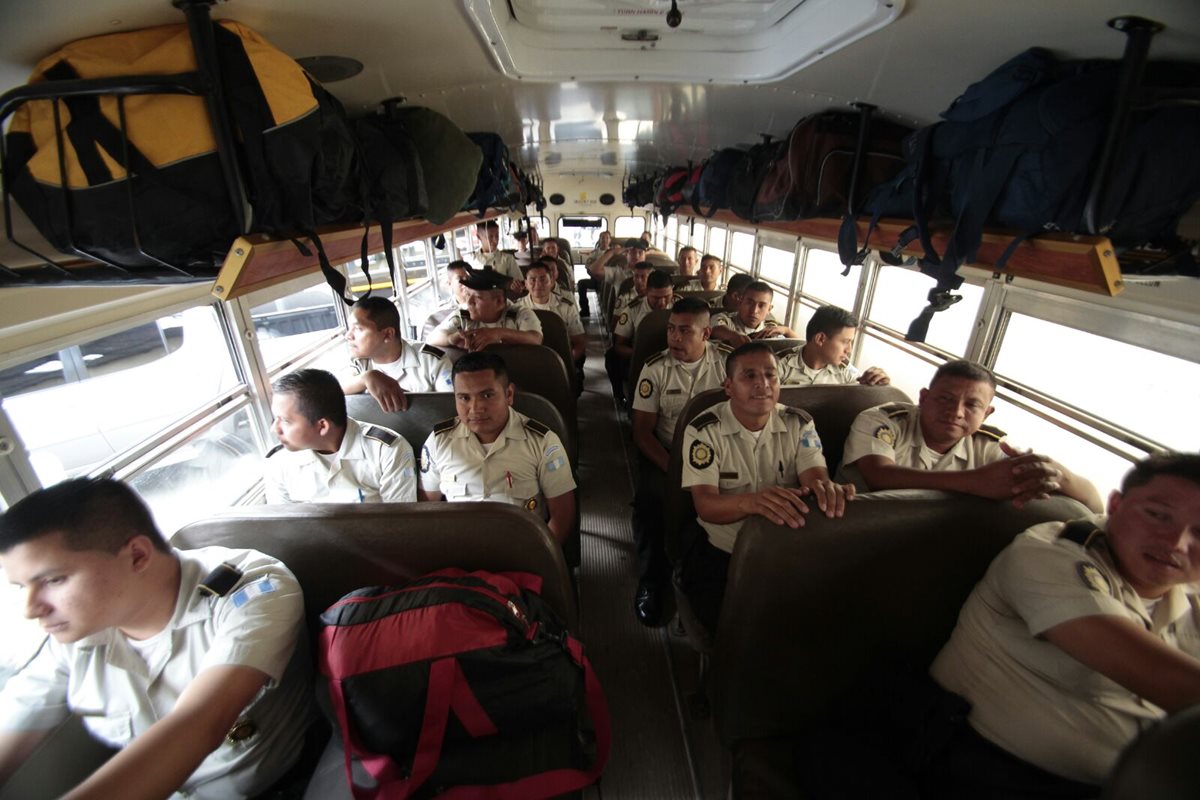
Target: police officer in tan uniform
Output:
{"points": [[326, 457], [747, 456], [492, 452], [824, 358], [383, 364], [1080, 636], [497, 260], [690, 365], [753, 318], [659, 293], [942, 443], [490, 317]]}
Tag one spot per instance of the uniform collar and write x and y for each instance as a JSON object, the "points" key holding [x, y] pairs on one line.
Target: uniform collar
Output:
{"points": [[728, 424], [960, 452]]}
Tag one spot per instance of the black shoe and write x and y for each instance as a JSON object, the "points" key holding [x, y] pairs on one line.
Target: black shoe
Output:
{"points": [[647, 604]]}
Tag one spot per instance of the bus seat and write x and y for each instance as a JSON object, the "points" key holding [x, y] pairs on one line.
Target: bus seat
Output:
{"points": [[554, 336], [335, 548], [426, 409], [649, 338], [782, 660], [779, 344], [610, 304], [63, 760], [1161, 763], [537, 368], [706, 296], [678, 280], [662, 261]]}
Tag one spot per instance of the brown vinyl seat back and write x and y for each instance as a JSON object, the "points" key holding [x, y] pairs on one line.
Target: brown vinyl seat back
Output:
{"points": [[554, 336], [610, 300], [833, 409], [662, 261], [678, 280], [809, 614], [537, 368], [779, 344], [1161, 763], [335, 548], [649, 338], [701, 294]]}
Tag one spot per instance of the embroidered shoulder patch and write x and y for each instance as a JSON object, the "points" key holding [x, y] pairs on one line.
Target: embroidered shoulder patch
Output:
{"points": [[425, 459], [1092, 577], [250, 591], [645, 388], [700, 455], [886, 435], [810, 439], [624, 318]]}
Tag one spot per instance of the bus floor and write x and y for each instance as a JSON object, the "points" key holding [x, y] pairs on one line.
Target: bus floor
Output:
{"points": [[661, 748]]}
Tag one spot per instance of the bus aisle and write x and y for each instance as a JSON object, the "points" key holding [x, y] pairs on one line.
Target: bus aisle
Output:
{"points": [[659, 749]]}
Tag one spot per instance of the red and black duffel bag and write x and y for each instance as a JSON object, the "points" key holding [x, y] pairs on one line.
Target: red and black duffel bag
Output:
{"points": [[462, 685]]}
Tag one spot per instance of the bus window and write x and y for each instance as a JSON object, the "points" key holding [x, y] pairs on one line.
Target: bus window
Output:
{"points": [[699, 229], [288, 326], [823, 278], [1067, 363], [901, 293], [741, 251], [776, 266], [581, 232], [541, 225], [628, 227], [672, 235], [716, 242]]}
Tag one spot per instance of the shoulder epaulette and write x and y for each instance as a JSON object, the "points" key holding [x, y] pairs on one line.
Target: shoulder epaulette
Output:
{"points": [[990, 432], [799, 412], [274, 450], [380, 434], [894, 409], [446, 425], [1080, 531], [794, 350], [536, 427], [430, 350], [218, 582], [704, 420], [654, 359]]}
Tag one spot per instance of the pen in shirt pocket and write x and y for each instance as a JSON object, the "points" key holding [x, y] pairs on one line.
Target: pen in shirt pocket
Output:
{"points": [[361, 499]]}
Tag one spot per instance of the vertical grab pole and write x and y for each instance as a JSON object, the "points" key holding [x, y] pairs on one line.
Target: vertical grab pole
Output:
{"points": [[860, 153], [1138, 32], [199, 22]]}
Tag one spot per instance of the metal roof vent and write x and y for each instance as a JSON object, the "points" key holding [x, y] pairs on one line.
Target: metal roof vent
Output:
{"points": [[719, 41]]}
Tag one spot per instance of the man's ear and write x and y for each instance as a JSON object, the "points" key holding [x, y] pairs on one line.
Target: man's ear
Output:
{"points": [[725, 384], [140, 550], [921, 395], [1114, 502], [324, 426], [510, 392], [989, 411], [819, 339], [706, 333]]}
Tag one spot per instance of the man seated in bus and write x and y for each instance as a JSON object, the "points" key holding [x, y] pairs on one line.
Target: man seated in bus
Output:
{"points": [[383, 364], [733, 292], [489, 317], [942, 443], [187, 661], [561, 272], [1080, 636], [592, 283], [494, 258], [746, 456], [323, 456], [456, 273], [615, 264], [691, 364], [524, 252], [541, 297], [490, 451], [660, 292], [688, 260], [824, 358], [708, 277], [752, 320]]}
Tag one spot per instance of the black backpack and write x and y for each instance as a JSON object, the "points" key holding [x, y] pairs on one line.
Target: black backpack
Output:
{"points": [[494, 186], [712, 190]]}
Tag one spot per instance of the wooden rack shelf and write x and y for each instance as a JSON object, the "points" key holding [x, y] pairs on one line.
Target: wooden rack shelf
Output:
{"points": [[258, 261], [1088, 263]]}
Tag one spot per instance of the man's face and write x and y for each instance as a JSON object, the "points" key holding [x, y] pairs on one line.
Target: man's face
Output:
{"points": [[835, 349], [363, 339], [635, 254], [1154, 531], [485, 305], [754, 308], [953, 407], [710, 273], [72, 593], [688, 262], [659, 299], [550, 248], [538, 282], [640, 276], [686, 335], [454, 280], [482, 400], [604, 241], [292, 428], [753, 387], [490, 239]]}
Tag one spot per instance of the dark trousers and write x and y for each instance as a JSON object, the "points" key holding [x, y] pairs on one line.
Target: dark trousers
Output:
{"points": [[653, 566], [703, 572], [583, 286], [616, 365]]}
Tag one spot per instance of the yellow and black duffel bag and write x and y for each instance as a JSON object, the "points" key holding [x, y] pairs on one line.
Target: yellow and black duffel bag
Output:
{"points": [[139, 185]]}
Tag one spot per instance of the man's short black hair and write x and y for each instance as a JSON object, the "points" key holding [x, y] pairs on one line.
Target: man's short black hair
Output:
{"points": [[709, 257], [636, 244], [758, 286], [962, 368], [318, 395], [541, 263], [459, 265], [687, 248], [659, 279], [1176, 465], [481, 361], [829, 320], [691, 305], [488, 225], [644, 265], [90, 513], [738, 282], [749, 348], [381, 311], [521, 236]]}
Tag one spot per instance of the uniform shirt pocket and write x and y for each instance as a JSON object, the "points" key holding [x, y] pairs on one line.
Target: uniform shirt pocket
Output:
{"points": [[114, 729]]}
